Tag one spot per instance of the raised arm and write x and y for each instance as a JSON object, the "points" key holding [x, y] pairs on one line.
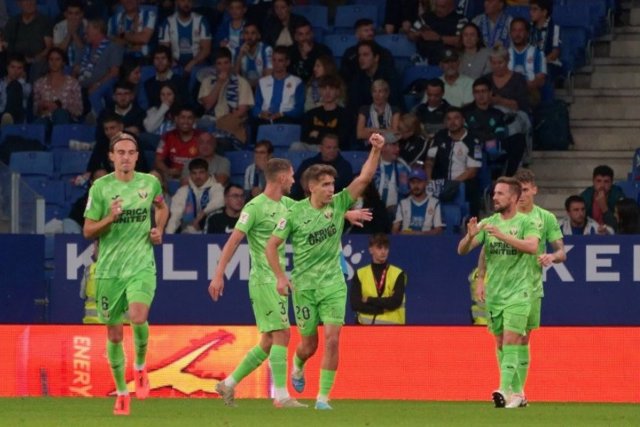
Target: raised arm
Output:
{"points": [[216, 286], [468, 243], [368, 171]]}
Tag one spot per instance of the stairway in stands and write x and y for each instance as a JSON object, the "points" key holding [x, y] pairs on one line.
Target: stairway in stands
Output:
{"points": [[605, 117]]}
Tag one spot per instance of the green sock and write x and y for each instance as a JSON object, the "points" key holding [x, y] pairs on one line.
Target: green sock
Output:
{"points": [[140, 340], [508, 366], [251, 361], [520, 378], [297, 362], [278, 362], [327, 378], [115, 353]]}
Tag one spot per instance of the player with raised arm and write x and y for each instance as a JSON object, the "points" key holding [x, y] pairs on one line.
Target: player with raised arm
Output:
{"points": [[550, 232], [510, 240], [257, 221], [118, 213], [314, 225]]}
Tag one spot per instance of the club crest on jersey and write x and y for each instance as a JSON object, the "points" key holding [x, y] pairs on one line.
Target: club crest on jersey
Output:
{"points": [[328, 214], [143, 194], [244, 217], [115, 197], [513, 231], [282, 224]]}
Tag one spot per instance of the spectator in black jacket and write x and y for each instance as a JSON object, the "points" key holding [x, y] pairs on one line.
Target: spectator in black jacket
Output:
{"points": [[279, 27]]}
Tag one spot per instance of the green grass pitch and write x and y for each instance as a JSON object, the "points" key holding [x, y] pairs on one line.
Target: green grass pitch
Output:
{"points": [[96, 412]]}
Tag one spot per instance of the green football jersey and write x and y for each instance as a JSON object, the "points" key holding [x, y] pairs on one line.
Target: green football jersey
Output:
{"points": [[547, 225], [258, 220], [509, 274], [315, 235], [125, 249]]}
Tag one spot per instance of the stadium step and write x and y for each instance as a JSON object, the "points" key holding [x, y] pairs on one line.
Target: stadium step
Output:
{"points": [[605, 138], [627, 46], [577, 165], [615, 80], [604, 110]]}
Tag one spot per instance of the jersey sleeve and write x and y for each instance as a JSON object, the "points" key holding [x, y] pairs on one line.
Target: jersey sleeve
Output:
{"points": [[94, 209], [530, 229], [284, 226], [247, 218], [482, 235], [552, 228]]}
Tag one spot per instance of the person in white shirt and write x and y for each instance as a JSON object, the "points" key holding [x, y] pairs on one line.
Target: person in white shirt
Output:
{"points": [[194, 201], [68, 34], [577, 222], [458, 88], [420, 212]]}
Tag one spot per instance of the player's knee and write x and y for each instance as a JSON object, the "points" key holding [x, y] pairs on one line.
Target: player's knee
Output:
{"points": [[115, 335], [331, 342]]}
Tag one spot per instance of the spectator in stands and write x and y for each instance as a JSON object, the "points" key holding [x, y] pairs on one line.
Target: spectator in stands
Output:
{"points": [[329, 155], [226, 97], [329, 117], [545, 35], [400, 14], [132, 28], [279, 27], [359, 86], [392, 177], [56, 96], [457, 87], [454, 159], [627, 216], [229, 32], [474, 58], [219, 166], [602, 196], [494, 24], [124, 106], [488, 124], [510, 95], [69, 33], [188, 36], [30, 34], [162, 119], [364, 31], [280, 96], [413, 145], [577, 222], [419, 213], [131, 71], [254, 178], [111, 125], [14, 91], [380, 116], [225, 221], [99, 64], [436, 31], [163, 74], [432, 110], [527, 59], [194, 201], [253, 59], [380, 221], [378, 289], [304, 51], [179, 146], [324, 66]]}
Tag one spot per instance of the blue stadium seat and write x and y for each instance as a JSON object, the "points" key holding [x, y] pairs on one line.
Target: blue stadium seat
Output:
{"points": [[631, 188], [317, 15], [600, 13], [29, 131], [575, 48], [297, 157], [347, 15], [519, 12], [280, 135], [338, 43], [146, 72], [35, 163], [356, 159], [454, 212], [71, 163], [418, 72], [61, 134], [380, 4], [567, 16], [239, 161], [150, 157], [400, 47], [72, 192], [52, 190]]}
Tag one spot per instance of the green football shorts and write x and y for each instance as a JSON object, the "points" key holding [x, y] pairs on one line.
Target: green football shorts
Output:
{"points": [[270, 309], [113, 295], [533, 322], [326, 304], [511, 318]]}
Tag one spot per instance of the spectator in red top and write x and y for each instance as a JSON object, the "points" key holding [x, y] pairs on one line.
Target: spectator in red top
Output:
{"points": [[179, 146]]}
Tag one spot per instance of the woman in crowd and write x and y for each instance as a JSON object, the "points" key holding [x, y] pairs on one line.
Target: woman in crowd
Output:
{"points": [[474, 57], [324, 66], [380, 115]]}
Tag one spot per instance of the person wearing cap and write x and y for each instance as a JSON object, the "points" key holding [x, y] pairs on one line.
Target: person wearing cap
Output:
{"points": [[420, 212], [458, 88], [392, 176], [433, 108]]}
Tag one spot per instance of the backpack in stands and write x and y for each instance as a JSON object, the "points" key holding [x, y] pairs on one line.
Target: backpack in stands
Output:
{"points": [[551, 129]]}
